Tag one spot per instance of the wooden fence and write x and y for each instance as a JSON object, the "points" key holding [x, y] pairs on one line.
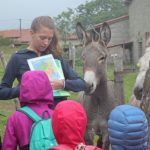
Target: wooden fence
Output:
{"points": [[4, 64]]}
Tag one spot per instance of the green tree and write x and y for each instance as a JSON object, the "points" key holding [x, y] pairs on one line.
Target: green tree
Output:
{"points": [[98, 11], [64, 24], [92, 12], [63, 21], [5, 41]]}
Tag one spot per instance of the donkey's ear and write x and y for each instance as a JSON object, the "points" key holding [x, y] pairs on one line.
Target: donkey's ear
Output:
{"points": [[81, 33], [105, 33]]}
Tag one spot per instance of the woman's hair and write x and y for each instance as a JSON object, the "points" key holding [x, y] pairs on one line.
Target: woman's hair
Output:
{"points": [[46, 21]]}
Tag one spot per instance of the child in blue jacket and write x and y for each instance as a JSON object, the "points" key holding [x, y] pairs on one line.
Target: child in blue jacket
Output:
{"points": [[128, 128]]}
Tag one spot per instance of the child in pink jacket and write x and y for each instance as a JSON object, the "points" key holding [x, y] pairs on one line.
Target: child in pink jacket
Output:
{"points": [[36, 93]]}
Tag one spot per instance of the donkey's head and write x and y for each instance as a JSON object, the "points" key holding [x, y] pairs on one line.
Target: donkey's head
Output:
{"points": [[94, 54]]}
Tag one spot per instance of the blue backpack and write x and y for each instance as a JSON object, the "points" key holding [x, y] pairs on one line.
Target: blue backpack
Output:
{"points": [[41, 135]]}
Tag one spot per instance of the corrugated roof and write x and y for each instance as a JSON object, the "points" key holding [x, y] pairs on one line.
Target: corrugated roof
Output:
{"points": [[10, 33], [22, 35], [112, 21], [25, 36]]}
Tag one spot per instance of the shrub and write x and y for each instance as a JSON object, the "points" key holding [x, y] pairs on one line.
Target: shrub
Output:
{"points": [[5, 41]]}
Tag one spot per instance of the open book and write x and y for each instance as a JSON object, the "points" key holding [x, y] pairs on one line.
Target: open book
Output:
{"points": [[53, 69]]}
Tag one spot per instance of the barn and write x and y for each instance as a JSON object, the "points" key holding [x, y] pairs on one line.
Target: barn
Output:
{"points": [[130, 32], [139, 25]]}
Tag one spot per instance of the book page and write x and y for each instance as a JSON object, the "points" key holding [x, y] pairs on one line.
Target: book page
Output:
{"points": [[47, 64], [53, 69], [58, 63]]}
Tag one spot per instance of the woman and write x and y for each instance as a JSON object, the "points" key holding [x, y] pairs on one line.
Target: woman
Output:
{"points": [[43, 41]]}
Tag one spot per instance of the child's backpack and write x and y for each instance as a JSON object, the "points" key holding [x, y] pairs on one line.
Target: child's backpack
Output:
{"points": [[41, 135]]}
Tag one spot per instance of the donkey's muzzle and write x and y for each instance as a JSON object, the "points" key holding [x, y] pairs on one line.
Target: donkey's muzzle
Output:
{"points": [[89, 88], [138, 93]]}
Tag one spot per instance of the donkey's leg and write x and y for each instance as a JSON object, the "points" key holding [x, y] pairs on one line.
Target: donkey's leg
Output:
{"points": [[89, 136], [106, 143], [99, 141]]}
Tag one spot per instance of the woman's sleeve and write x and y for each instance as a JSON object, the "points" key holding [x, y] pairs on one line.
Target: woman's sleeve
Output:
{"points": [[6, 90], [72, 80], [10, 140]]}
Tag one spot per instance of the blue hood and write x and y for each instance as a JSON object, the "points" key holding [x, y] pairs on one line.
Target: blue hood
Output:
{"points": [[128, 128]]}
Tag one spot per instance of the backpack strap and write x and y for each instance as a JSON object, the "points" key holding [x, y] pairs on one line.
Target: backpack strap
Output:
{"points": [[30, 113]]}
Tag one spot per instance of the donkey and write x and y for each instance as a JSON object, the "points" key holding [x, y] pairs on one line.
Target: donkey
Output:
{"points": [[99, 99], [145, 102], [144, 66]]}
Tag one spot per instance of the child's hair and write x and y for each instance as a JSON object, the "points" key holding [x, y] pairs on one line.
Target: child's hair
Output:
{"points": [[46, 21]]}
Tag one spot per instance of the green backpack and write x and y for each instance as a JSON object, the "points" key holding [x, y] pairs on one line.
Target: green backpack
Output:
{"points": [[41, 135]]}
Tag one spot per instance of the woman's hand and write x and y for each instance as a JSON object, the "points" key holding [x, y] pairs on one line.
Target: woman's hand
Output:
{"points": [[57, 84]]}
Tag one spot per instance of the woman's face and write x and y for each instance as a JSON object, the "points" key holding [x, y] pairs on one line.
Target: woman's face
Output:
{"points": [[41, 39]]}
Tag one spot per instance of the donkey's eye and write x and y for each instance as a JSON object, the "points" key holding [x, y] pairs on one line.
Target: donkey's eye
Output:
{"points": [[83, 56], [100, 59]]}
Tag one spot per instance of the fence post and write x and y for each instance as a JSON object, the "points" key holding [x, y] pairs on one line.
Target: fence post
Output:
{"points": [[72, 55], [118, 78], [3, 60]]}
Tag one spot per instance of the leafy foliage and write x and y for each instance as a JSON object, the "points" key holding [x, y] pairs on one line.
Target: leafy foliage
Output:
{"points": [[5, 41], [92, 12]]}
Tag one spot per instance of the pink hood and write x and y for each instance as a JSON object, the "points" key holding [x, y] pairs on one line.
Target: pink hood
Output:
{"points": [[35, 86], [69, 123]]}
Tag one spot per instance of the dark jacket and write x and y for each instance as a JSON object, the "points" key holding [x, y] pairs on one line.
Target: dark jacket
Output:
{"points": [[128, 128], [17, 65]]}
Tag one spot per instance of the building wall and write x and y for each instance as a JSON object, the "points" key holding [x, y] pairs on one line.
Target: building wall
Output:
{"points": [[139, 24], [119, 35], [119, 32]]}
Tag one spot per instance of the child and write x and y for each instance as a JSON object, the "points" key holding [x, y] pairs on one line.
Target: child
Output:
{"points": [[69, 124], [128, 128], [36, 93]]}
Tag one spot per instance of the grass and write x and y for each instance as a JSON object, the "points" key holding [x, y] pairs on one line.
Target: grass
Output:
{"points": [[129, 81], [8, 106]]}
